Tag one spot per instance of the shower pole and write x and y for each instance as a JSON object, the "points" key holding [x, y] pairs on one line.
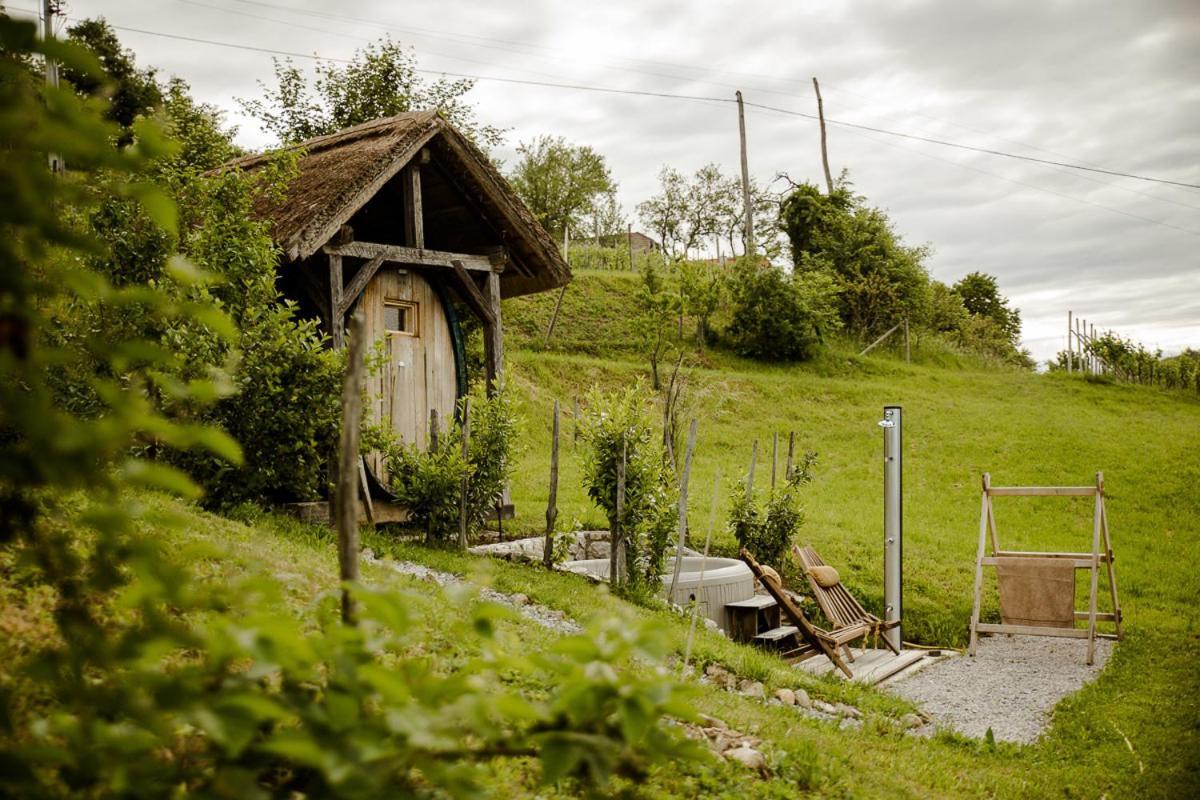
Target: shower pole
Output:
{"points": [[893, 521]]}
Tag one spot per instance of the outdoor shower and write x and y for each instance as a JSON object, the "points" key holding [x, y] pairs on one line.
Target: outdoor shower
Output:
{"points": [[893, 521]]}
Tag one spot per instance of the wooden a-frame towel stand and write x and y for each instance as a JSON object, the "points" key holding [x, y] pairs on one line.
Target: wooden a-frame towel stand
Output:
{"points": [[1101, 554]]}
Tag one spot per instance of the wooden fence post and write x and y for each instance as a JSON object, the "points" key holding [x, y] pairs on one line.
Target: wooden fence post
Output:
{"points": [[750, 475], [462, 503], [345, 499], [787, 473], [774, 456], [683, 494], [616, 574], [552, 503]]}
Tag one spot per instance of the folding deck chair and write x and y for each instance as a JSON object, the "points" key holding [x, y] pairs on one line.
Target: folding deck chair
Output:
{"points": [[837, 604], [810, 639]]}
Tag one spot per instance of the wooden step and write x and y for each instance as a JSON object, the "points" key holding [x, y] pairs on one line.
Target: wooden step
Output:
{"points": [[759, 602], [775, 634]]}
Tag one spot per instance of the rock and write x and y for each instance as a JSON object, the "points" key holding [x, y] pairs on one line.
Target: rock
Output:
{"points": [[802, 699], [713, 722], [822, 706], [368, 554], [848, 723], [747, 756], [911, 721], [751, 688], [786, 696], [519, 599], [848, 711]]}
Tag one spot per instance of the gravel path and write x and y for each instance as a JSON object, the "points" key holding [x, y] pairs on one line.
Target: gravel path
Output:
{"points": [[1010, 686], [548, 618]]}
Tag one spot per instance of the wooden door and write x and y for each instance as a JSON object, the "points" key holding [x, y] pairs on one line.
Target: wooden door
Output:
{"points": [[406, 320]]}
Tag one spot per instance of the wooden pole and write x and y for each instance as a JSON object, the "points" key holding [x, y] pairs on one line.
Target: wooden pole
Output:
{"points": [[907, 345], [824, 150], [552, 503], [337, 324], [1070, 346], [629, 242], [712, 523], [554, 317], [616, 554], [787, 473], [433, 448], [462, 500], [493, 336], [774, 456], [749, 208], [345, 499], [750, 475], [575, 419], [872, 345], [1097, 514], [683, 496]]}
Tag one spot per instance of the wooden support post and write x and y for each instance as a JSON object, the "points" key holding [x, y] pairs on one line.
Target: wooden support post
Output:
{"points": [[552, 503], [787, 473], [433, 430], [462, 503], [712, 523], [907, 344], [414, 216], [824, 147], [337, 325], [774, 456], [493, 335], [345, 497], [683, 496], [629, 241], [750, 474], [984, 514], [1098, 514], [748, 206]]}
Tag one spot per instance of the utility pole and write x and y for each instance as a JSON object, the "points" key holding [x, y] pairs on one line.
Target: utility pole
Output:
{"points": [[745, 177], [49, 9], [824, 151]]}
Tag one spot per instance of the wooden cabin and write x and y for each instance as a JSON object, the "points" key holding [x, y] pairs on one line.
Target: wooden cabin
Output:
{"points": [[409, 221]]}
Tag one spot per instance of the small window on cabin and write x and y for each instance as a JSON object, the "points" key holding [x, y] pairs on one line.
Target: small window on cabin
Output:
{"points": [[400, 317]]}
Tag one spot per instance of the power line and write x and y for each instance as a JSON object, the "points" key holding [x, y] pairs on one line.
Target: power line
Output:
{"points": [[671, 95]]}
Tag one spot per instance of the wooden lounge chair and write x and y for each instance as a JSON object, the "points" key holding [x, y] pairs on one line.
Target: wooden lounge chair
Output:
{"points": [[810, 639], [840, 607]]}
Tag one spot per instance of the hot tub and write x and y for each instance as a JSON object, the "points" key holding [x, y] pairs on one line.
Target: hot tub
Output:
{"points": [[726, 580]]}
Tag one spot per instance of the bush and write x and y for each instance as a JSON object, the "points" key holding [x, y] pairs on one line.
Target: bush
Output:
{"points": [[768, 533], [429, 482], [780, 317], [615, 427]]}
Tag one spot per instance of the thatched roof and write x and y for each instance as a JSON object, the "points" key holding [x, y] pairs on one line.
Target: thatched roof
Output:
{"points": [[341, 172]]}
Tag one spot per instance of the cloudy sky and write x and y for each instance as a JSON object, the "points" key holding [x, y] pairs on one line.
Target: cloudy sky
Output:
{"points": [[1112, 85]]}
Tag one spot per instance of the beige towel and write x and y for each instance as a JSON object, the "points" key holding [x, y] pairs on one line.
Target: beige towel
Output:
{"points": [[1037, 591]]}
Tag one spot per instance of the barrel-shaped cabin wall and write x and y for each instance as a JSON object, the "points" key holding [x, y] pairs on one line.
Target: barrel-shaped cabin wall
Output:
{"points": [[405, 314]]}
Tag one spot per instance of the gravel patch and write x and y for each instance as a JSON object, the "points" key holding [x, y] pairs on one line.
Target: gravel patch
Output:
{"points": [[1010, 686], [548, 618]]}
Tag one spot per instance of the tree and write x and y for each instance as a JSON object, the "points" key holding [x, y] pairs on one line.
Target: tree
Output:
{"points": [[560, 182], [656, 307], [778, 316], [981, 297], [880, 279], [605, 221], [666, 212], [381, 81], [134, 92]]}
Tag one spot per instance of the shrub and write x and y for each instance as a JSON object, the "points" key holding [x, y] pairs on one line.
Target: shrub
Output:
{"points": [[616, 426], [768, 532], [780, 317], [429, 482]]}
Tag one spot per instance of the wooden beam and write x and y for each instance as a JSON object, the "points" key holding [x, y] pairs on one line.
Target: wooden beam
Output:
{"points": [[473, 297], [357, 284], [1042, 491], [1033, 630], [411, 255], [337, 327], [414, 216], [493, 334]]}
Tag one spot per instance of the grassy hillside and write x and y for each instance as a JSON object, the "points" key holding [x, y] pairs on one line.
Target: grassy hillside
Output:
{"points": [[1147, 690]]}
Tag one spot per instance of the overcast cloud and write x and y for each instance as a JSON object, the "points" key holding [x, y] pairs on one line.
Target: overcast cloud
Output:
{"points": [[1115, 85]]}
